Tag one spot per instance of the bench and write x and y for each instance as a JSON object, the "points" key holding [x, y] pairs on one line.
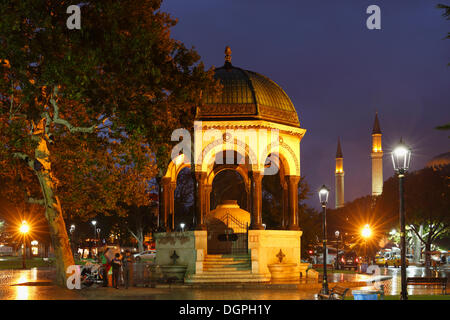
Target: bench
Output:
{"points": [[336, 293], [428, 281]]}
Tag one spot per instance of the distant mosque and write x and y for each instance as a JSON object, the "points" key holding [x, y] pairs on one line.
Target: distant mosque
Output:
{"points": [[436, 163], [377, 166]]}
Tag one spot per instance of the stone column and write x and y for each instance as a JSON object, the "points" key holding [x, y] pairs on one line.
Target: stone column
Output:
{"points": [[172, 187], [248, 190], [293, 201], [285, 204], [208, 189], [200, 182], [257, 201], [165, 186]]}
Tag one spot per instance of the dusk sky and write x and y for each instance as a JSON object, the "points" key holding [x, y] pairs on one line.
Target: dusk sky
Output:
{"points": [[337, 73]]}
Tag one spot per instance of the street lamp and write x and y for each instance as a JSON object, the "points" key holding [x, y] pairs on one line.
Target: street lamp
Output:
{"points": [[94, 223], [337, 248], [182, 225], [24, 229], [323, 197], [71, 230], [401, 157], [366, 232]]}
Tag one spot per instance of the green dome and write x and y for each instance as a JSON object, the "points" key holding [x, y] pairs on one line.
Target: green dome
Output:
{"points": [[247, 95]]}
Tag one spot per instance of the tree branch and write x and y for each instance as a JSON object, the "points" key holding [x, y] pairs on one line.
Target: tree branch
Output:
{"points": [[132, 233], [58, 120], [36, 201], [25, 158], [439, 231], [417, 233]]}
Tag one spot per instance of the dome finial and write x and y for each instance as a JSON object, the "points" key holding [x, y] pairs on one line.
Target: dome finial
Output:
{"points": [[227, 56]]}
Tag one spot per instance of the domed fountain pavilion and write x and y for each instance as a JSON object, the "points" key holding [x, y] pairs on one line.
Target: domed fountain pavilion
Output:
{"points": [[252, 128]]}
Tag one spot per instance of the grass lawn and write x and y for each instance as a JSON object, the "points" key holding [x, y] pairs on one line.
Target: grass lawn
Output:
{"points": [[413, 297], [16, 263]]}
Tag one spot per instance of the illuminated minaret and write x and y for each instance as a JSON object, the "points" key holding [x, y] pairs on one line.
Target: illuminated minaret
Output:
{"points": [[339, 177], [377, 159]]}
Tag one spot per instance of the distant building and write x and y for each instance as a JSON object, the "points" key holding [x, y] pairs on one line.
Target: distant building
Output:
{"points": [[377, 166], [339, 177], [377, 159], [439, 161]]}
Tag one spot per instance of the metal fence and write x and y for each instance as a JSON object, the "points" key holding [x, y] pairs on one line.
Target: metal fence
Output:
{"points": [[146, 274], [227, 235]]}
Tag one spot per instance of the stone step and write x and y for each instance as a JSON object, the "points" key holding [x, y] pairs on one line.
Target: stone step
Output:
{"points": [[226, 269], [205, 278], [229, 256], [221, 276], [226, 259], [227, 263], [227, 266]]}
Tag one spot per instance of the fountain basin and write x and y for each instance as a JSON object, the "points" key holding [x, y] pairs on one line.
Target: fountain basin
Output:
{"points": [[174, 272], [284, 272]]}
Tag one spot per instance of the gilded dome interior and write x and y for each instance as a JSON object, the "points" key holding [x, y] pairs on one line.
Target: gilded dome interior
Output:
{"points": [[247, 95]]}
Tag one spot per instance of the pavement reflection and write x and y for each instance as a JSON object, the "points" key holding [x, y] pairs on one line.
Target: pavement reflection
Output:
{"points": [[38, 286]]}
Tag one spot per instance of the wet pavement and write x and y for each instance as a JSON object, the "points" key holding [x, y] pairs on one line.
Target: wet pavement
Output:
{"points": [[41, 287], [393, 285], [37, 285]]}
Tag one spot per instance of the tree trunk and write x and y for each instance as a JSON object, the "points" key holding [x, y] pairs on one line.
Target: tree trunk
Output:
{"points": [[140, 234], [53, 214], [427, 253]]}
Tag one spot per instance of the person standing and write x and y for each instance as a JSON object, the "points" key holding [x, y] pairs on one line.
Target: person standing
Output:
{"points": [[127, 266], [105, 266], [116, 264]]}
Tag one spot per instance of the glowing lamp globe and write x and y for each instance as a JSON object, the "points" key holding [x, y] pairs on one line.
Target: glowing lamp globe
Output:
{"points": [[24, 228], [323, 195], [366, 231], [401, 157]]}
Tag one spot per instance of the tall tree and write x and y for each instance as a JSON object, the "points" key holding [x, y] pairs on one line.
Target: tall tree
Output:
{"points": [[121, 72], [427, 199]]}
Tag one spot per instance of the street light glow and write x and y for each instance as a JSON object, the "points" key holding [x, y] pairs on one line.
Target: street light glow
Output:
{"points": [[366, 232], [401, 157], [24, 228]]}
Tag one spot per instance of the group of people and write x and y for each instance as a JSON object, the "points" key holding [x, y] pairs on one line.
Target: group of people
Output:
{"points": [[121, 265]]}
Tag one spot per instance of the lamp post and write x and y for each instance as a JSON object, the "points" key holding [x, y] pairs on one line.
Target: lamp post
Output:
{"points": [[24, 228], [366, 232], [323, 197], [401, 157], [71, 230], [337, 249], [182, 225], [94, 223]]}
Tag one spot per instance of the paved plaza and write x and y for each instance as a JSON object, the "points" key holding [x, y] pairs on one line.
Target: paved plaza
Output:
{"points": [[36, 284]]}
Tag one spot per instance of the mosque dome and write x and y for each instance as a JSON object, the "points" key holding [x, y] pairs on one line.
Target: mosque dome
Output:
{"points": [[246, 95], [439, 161]]}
